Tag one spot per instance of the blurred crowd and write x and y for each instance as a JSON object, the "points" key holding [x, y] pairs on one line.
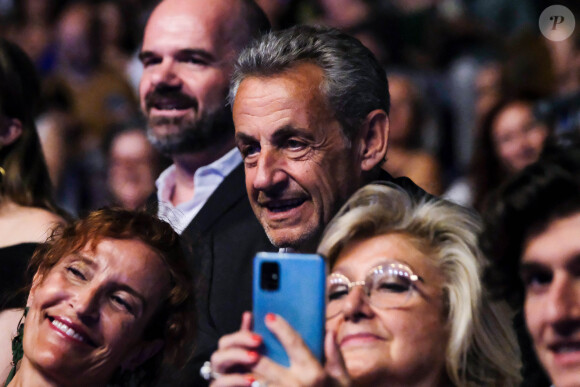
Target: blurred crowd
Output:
{"points": [[475, 88]]}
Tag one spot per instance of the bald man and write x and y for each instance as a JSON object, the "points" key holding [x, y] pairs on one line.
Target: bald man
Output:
{"points": [[188, 52]]}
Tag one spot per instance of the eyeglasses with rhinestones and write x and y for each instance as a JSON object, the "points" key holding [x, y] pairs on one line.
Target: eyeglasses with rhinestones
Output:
{"points": [[386, 286]]}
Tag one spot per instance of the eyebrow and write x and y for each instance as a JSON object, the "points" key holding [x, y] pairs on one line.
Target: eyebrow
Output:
{"points": [[527, 266], [79, 256], [572, 264], [286, 131], [245, 138], [279, 135], [180, 53]]}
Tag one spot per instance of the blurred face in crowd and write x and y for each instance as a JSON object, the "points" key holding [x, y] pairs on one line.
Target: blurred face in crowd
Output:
{"points": [[188, 53], [73, 36], [132, 170], [550, 271], [517, 136], [401, 114], [299, 166], [404, 343], [88, 314]]}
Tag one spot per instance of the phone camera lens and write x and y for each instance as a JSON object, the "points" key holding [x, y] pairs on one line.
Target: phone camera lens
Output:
{"points": [[270, 276]]}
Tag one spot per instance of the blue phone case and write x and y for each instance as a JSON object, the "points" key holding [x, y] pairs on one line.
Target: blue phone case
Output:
{"points": [[300, 299]]}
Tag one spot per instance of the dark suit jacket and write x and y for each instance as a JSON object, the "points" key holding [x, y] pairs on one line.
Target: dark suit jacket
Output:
{"points": [[220, 244], [407, 184]]}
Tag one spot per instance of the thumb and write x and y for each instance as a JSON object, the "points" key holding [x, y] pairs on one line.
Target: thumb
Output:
{"points": [[335, 366]]}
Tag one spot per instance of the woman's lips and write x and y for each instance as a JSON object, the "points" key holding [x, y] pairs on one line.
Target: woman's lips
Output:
{"points": [[359, 339], [70, 330]]}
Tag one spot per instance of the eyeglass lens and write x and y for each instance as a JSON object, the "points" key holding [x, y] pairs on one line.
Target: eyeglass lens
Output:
{"points": [[386, 286]]}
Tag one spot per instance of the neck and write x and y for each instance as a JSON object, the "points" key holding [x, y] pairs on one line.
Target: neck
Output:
{"points": [[434, 380], [309, 247], [28, 375], [187, 164]]}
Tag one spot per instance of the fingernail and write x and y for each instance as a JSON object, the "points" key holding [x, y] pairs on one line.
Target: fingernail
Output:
{"points": [[253, 355], [271, 317], [250, 379], [256, 338]]}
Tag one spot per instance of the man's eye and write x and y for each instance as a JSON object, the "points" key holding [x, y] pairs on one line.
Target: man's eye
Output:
{"points": [[150, 61], [195, 60], [295, 144], [249, 150], [536, 280]]}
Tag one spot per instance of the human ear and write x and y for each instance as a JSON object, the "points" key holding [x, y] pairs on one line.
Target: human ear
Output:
{"points": [[375, 135], [142, 353], [11, 132]]}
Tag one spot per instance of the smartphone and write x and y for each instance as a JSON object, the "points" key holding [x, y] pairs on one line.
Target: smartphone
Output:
{"points": [[292, 286]]}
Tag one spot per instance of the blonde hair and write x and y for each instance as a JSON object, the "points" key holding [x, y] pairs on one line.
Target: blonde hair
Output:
{"points": [[482, 348]]}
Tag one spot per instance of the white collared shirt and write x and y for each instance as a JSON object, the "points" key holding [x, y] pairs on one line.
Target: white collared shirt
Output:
{"points": [[206, 179]]}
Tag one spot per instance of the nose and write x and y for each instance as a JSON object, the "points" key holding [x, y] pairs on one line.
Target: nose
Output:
{"points": [[270, 174], [355, 305], [86, 304], [164, 74], [563, 309]]}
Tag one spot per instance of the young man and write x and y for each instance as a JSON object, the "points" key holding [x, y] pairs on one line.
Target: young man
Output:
{"points": [[531, 236]]}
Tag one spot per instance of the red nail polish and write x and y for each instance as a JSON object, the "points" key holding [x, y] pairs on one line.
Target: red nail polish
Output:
{"points": [[271, 317], [257, 338], [250, 379], [253, 355]]}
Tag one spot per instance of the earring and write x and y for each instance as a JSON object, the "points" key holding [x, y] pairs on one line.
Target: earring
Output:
{"points": [[17, 349]]}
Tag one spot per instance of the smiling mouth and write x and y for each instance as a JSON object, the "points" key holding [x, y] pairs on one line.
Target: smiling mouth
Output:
{"points": [[565, 348], [171, 105], [359, 338], [70, 332], [278, 206]]}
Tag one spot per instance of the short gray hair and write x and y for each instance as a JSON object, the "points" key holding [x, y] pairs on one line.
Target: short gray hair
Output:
{"points": [[354, 81], [482, 348]]}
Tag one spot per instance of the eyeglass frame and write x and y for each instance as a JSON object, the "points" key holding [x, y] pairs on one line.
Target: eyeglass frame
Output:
{"points": [[351, 284]]}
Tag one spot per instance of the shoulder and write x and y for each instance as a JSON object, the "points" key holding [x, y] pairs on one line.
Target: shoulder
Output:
{"points": [[416, 192], [28, 224], [41, 222], [46, 217]]}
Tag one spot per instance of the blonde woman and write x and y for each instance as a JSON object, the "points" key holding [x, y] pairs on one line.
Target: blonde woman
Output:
{"points": [[406, 306]]}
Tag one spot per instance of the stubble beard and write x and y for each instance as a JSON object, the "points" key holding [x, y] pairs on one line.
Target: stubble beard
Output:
{"points": [[189, 135], [306, 242]]}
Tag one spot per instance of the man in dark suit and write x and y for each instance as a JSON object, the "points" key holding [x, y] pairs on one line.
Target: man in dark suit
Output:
{"points": [[310, 106], [188, 51]]}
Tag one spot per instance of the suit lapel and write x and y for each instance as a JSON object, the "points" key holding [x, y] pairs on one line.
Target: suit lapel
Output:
{"points": [[227, 194]]}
